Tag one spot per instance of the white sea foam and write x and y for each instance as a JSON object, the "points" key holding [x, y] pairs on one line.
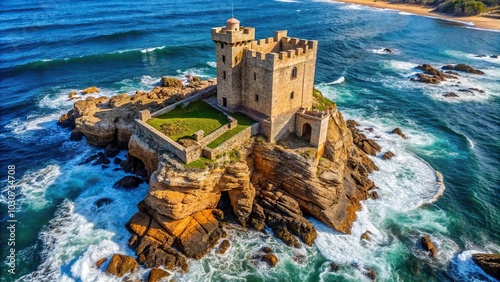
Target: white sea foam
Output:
{"points": [[464, 268], [405, 183], [287, 1], [337, 81], [147, 50], [212, 64], [406, 14], [352, 7], [384, 52], [81, 233]]}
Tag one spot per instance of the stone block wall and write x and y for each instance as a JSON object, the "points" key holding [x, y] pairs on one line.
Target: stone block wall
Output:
{"points": [[318, 123], [160, 142], [231, 143]]}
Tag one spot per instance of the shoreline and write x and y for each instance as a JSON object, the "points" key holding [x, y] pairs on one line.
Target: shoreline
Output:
{"points": [[473, 21]]}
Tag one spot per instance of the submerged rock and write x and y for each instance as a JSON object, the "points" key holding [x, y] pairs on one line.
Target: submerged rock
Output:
{"points": [[128, 182], [334, 267], [490, 263], [388, 50], [451, 95], [267, 250], [103, 202], [370, 273]]}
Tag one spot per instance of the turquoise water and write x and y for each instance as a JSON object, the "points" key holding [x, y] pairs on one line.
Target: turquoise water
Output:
{"points": [[49, 48]]}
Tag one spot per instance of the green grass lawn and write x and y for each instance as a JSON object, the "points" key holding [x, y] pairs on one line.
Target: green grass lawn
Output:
{"points": [[184, 122], [200, 163], [243, 122]]}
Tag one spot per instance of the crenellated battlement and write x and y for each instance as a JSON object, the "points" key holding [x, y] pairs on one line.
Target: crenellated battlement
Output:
{"points": [[221, 34], [279, 51]]}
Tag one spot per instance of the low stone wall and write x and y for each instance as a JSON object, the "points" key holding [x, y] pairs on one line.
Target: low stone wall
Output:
{"points": [[161, 142], [221, 130], [205, 93], [232, 142]]}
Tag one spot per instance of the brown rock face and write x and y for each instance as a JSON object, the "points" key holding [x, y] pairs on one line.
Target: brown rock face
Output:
{"points": [[270, 259], [463, 68], [388, 155], [156, 274], [121, 265], [428, 246], [490, 263], [223, 247], [104, 121], [139, 223], [399, 132], [368, 145]]}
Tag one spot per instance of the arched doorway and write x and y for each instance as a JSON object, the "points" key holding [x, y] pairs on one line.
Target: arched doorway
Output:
{"points": [[306, 131]]}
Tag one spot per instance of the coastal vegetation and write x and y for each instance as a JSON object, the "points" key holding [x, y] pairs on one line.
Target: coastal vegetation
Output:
{"points": [[243, 122], [184, 122], [455, 7]]}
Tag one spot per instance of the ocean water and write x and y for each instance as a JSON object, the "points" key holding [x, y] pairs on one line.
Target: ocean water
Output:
{"points": [[49, 48]]}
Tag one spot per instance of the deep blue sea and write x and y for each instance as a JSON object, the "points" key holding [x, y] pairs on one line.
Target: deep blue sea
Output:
{"points": [[49, 48]]}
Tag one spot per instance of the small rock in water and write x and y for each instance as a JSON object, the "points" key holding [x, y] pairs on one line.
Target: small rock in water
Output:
{"points": [[450, 95], [481, 56], [117, 161], [366, 236], [399, 132], [121, 265], [101, 159], [76, 135], [494, 56], [128, 182], [334, 267], [270, 259], [267, 250], [101, 202], [223, 247], [371, 273], [156, 274], [100, 262], [111, 151], [388, 155], [374, 195], [428, 246], [388, 50]]}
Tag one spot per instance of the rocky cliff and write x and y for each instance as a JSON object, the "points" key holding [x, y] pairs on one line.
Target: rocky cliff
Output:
{"points": [[267, 185]]}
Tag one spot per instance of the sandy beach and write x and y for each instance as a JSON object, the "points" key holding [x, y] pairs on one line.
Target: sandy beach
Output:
{"points": [[477, 21]]}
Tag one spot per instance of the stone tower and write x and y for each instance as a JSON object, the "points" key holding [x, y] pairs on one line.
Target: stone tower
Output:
{"points": [[230, 41]]}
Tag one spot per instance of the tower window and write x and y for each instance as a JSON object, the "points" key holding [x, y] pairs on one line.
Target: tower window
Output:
{"points": [[256, 98], [254, 76], [236, 60], [291, 95], [294, 72], [224, 74], [223, 58], [222, 45]]}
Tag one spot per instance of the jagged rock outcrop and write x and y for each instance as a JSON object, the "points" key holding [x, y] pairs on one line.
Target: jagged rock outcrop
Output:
{"points": [[269, 185], [490, 263], [431, 75], [121, 265], [428, 246], [110, 120], [463, 68]]}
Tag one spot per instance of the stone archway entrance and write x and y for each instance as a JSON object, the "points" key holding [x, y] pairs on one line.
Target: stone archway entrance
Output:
{"points": [[306, 131]]}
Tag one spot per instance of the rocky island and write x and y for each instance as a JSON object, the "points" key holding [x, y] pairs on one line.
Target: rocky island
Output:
{"points": [[237, 160]]}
